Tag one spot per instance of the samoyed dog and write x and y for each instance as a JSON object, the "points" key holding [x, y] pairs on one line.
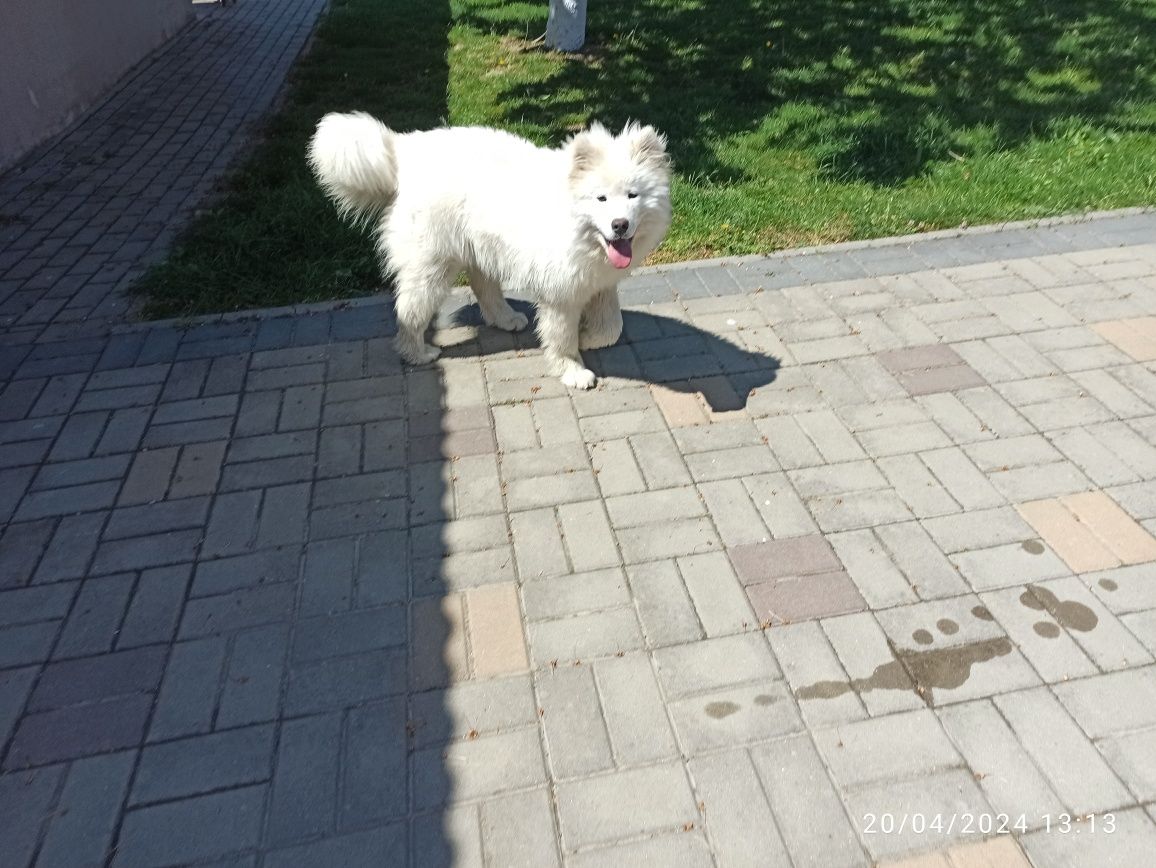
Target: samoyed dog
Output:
{"points": [[562, 226]]}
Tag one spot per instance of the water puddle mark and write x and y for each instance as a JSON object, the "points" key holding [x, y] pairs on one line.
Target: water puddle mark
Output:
{"points": [[719, 710]]}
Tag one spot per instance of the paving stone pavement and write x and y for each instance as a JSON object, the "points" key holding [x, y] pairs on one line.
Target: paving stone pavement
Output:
{"points": [[824, 572], [849, 560]]}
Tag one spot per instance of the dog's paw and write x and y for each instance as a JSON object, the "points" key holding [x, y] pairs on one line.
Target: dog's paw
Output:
{"points": [[510, 321], [579, 378]]}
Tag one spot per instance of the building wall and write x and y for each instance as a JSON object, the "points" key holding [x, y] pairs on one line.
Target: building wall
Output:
{"points": [[58, 57]]}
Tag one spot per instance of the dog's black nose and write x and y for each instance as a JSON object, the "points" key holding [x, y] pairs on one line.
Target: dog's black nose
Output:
{"points": [[620, 225]]}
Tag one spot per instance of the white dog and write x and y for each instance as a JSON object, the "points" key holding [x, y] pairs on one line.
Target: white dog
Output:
{"points": [[564, 226]]}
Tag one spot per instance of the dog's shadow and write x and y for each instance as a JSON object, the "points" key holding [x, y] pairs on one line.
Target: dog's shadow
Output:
{"points": [[653, 349]]}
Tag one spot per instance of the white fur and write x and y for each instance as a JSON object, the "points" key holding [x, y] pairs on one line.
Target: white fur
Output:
{"points": [[512, 215]]}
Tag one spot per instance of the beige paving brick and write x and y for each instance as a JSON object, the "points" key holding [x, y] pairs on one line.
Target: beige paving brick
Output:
{"points": [[998, 852], [680, 409], [1136, 337], [494, 626], [1071, 539], [1126, 539]]}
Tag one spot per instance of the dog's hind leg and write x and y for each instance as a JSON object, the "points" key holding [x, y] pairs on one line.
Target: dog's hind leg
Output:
{"points": [[601, 321], [558, 331], [496, 311], [418, 295]]}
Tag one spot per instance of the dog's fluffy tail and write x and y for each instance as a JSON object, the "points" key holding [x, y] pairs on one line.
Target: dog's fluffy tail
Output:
{"points": [[353, 158]]}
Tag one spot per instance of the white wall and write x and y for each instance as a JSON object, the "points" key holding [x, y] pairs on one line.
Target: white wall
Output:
{"points": [[58, 57]]}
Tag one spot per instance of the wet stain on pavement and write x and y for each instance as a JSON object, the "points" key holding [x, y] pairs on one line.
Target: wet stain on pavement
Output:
{"points": [[719, 710], [1068, 613], [923, 671]]}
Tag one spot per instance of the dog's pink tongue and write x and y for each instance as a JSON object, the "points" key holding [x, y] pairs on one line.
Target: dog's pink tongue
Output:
{"points": [[619, 252]]}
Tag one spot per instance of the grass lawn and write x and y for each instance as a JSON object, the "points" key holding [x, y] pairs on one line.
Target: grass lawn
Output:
{"points": [[790, 122]]}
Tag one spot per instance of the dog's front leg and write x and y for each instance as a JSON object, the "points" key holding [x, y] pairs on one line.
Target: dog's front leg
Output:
{"points": [[558, 331], [601, 321]]}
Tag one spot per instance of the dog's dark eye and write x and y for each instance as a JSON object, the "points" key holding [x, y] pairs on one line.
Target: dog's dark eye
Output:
{"points": [[631, 195], [601, 198]]}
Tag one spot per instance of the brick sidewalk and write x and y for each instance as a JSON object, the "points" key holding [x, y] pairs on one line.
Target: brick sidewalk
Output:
{"points": [[846, 542], [83, 215], [899, 559]]}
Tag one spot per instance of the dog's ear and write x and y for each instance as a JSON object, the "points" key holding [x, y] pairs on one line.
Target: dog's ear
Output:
{"points": [[586, 149], [647, 145], [583, 153]]}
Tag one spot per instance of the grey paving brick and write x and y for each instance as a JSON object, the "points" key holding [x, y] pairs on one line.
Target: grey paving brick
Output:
{"points": [[912, 550], [952, 793], [233, 523], [348, 633], [815, 830], [807, 659], [487, 765], [148, 480], [489, 706], [660, 795], [25, 799], [345, 681], [187, 697], [67, 501], [664, 505], [172, 833], [28, 643], [1073, 768], [715, 663], [78, 731], [615, 467], [587, 535], [96, 616], [741, 824], [87, 812], [1009, 779], [664, 607], [659, 460], [577, 742], [266, 472], [188, 767], [374, 770], [138, 553], [99, 677], [897, 746], [1111, 703], [584, 636], [574, 594], [538, 544], [252, 686], [633, 710], [868, 563], [670, 539], [735, 517], [28, 605], [156, 518], [1133, 838], [382, 846], [518, 830], [1000, 566], [735, 716], [978, 528], [81, 472], [716, 594], [306, 764], [863, 650]]}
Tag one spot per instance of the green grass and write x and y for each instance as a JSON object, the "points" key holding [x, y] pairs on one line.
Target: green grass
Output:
{"points": [[790, 122]]}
